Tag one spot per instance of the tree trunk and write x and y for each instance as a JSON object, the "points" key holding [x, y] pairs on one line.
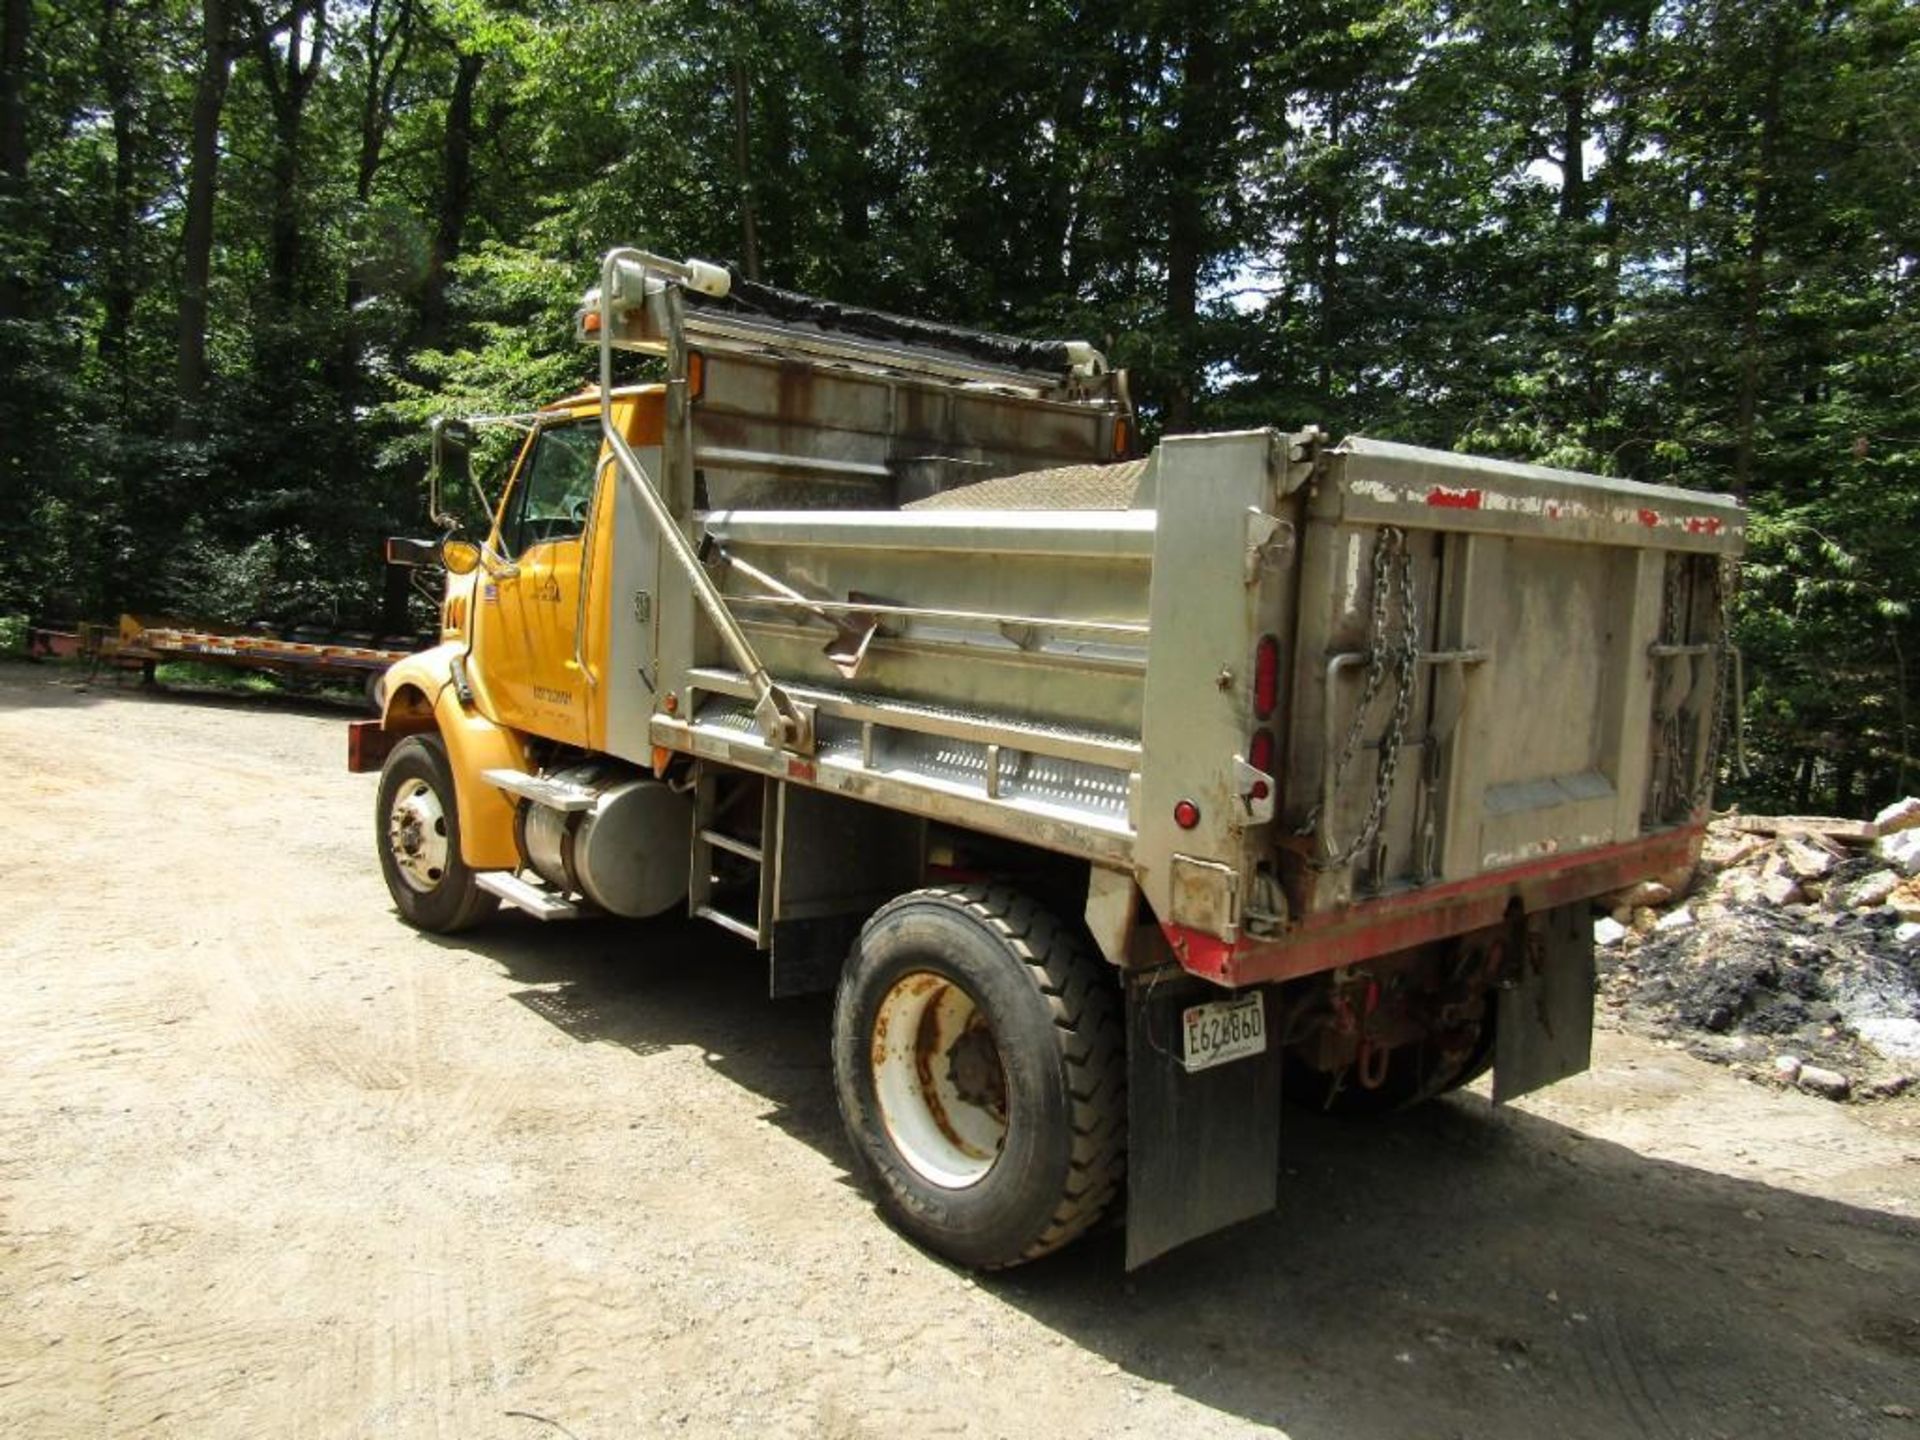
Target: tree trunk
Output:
{"points": [[288, 76], [289, 80], [1619, 180], [18, 18], [856, 135], [386, 61], [456, 195], [1573, 285], [1195, 135], [1753, 289], [1327, 256], [743, 171], [203, 160], [1573, 114], [122, 232]]}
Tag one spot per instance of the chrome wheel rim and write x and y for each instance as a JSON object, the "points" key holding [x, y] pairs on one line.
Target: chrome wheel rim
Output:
{"points": [[417, 835], [939, 1079]]}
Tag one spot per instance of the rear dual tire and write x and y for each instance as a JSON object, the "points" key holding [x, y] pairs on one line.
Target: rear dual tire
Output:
{"points": [[979, 1058]]}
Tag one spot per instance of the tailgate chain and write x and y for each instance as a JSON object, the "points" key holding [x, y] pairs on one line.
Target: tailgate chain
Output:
{"points": [[1404, 651], [1723, 584], [1683, 799]]}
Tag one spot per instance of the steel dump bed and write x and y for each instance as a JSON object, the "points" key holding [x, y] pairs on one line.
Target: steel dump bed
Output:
{"points": [[1297, 691]]}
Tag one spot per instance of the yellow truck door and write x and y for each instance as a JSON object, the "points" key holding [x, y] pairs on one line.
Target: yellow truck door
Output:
{"points": [[528, 612]]}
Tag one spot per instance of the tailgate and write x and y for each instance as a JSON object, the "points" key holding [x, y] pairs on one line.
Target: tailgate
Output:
{"points": [[1495, 663]]}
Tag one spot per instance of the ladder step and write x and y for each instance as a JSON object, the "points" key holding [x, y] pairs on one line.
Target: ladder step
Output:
{"points": [[744, 929], [542, 791], [536, 900], [732, 845]]}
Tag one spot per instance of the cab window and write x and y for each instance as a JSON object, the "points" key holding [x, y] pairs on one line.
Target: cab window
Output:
{"points": [[555, 489]]}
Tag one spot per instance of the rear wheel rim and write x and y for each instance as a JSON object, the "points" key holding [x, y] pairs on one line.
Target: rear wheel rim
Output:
{"points": [[939, 1080], [417, 835]]}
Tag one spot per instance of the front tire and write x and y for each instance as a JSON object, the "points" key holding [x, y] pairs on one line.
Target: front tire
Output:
{"points": [[979, 1058], [417, 831]]}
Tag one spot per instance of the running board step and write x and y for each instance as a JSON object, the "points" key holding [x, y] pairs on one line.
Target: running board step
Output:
{"points": [[745, 930], [541, 791], [536, 900]]}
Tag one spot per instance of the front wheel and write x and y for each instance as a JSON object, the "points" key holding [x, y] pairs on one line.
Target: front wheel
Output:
{"points": [[979, 1058], [417, 825]]}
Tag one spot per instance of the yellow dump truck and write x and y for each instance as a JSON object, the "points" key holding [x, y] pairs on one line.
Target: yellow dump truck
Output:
{"points": [[1114, 795]]}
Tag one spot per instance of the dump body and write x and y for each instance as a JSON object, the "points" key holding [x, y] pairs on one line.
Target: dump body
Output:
{"points": [[1079, 678]]}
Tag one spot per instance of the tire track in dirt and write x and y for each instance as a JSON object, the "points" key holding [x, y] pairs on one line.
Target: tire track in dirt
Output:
{"points": [[1629, 1377], [267, 999], [66, 1055], [431, 1363], [595, 1346], [163, 1376]]}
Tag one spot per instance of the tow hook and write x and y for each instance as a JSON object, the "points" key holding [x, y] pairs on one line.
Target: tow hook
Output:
{"points": [[1370, 1064]]}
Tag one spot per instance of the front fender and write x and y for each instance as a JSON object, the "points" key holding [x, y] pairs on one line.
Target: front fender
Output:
{"points": [[421, 695]]}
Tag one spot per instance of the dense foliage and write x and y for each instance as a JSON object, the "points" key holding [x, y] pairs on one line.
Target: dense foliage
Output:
{"points": [[245, 248]]}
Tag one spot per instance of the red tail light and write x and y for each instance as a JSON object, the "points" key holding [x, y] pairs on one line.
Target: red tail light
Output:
{"points": [[1260, 757], [1266, 677], [1260, 752]]}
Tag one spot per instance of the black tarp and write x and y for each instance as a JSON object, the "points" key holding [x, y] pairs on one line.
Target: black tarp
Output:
{"points": [[790, 307]]}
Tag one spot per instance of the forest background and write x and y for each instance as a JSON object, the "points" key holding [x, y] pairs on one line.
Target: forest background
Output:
{"points": [[247, 247]]}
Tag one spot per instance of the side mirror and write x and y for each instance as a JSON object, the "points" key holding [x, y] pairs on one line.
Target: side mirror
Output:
{"points": [[412, 554], [461, 557], [452, 461]]}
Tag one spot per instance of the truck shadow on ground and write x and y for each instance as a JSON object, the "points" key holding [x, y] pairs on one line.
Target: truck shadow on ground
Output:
{"points": [[1458, 1271]]}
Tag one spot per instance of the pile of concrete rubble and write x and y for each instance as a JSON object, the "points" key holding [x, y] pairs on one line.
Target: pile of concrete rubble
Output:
{"points": [[1792, 952]]}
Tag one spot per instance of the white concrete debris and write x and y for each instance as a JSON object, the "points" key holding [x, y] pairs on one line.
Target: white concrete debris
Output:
{"points": [[1901, 815], [1901, 850], [1873, 890], [1807, 862], [1891, 1035]]}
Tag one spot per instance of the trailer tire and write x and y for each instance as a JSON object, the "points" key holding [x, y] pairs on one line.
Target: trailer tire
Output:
{"points": [[980, 1062], [417, 832]]}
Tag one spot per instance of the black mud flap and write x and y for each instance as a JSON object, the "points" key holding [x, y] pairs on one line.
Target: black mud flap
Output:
{"points": [[1546, 1019], [839, 861], [1203, 1148]]}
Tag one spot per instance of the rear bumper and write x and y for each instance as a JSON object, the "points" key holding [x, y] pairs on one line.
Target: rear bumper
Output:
{"points": [[1359, 932]]}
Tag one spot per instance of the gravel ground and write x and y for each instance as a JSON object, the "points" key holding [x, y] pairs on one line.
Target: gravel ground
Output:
{"points": [[273, 1165]]}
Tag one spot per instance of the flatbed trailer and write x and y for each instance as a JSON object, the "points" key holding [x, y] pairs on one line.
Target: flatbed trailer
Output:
{"points": [[1115, 795], [150, 643]]}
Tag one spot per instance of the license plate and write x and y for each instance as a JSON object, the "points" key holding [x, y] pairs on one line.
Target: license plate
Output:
{"points": [[1223, 1030]]}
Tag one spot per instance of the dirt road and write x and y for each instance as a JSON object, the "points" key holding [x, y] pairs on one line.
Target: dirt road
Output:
{"points": [[273, 1165]]}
